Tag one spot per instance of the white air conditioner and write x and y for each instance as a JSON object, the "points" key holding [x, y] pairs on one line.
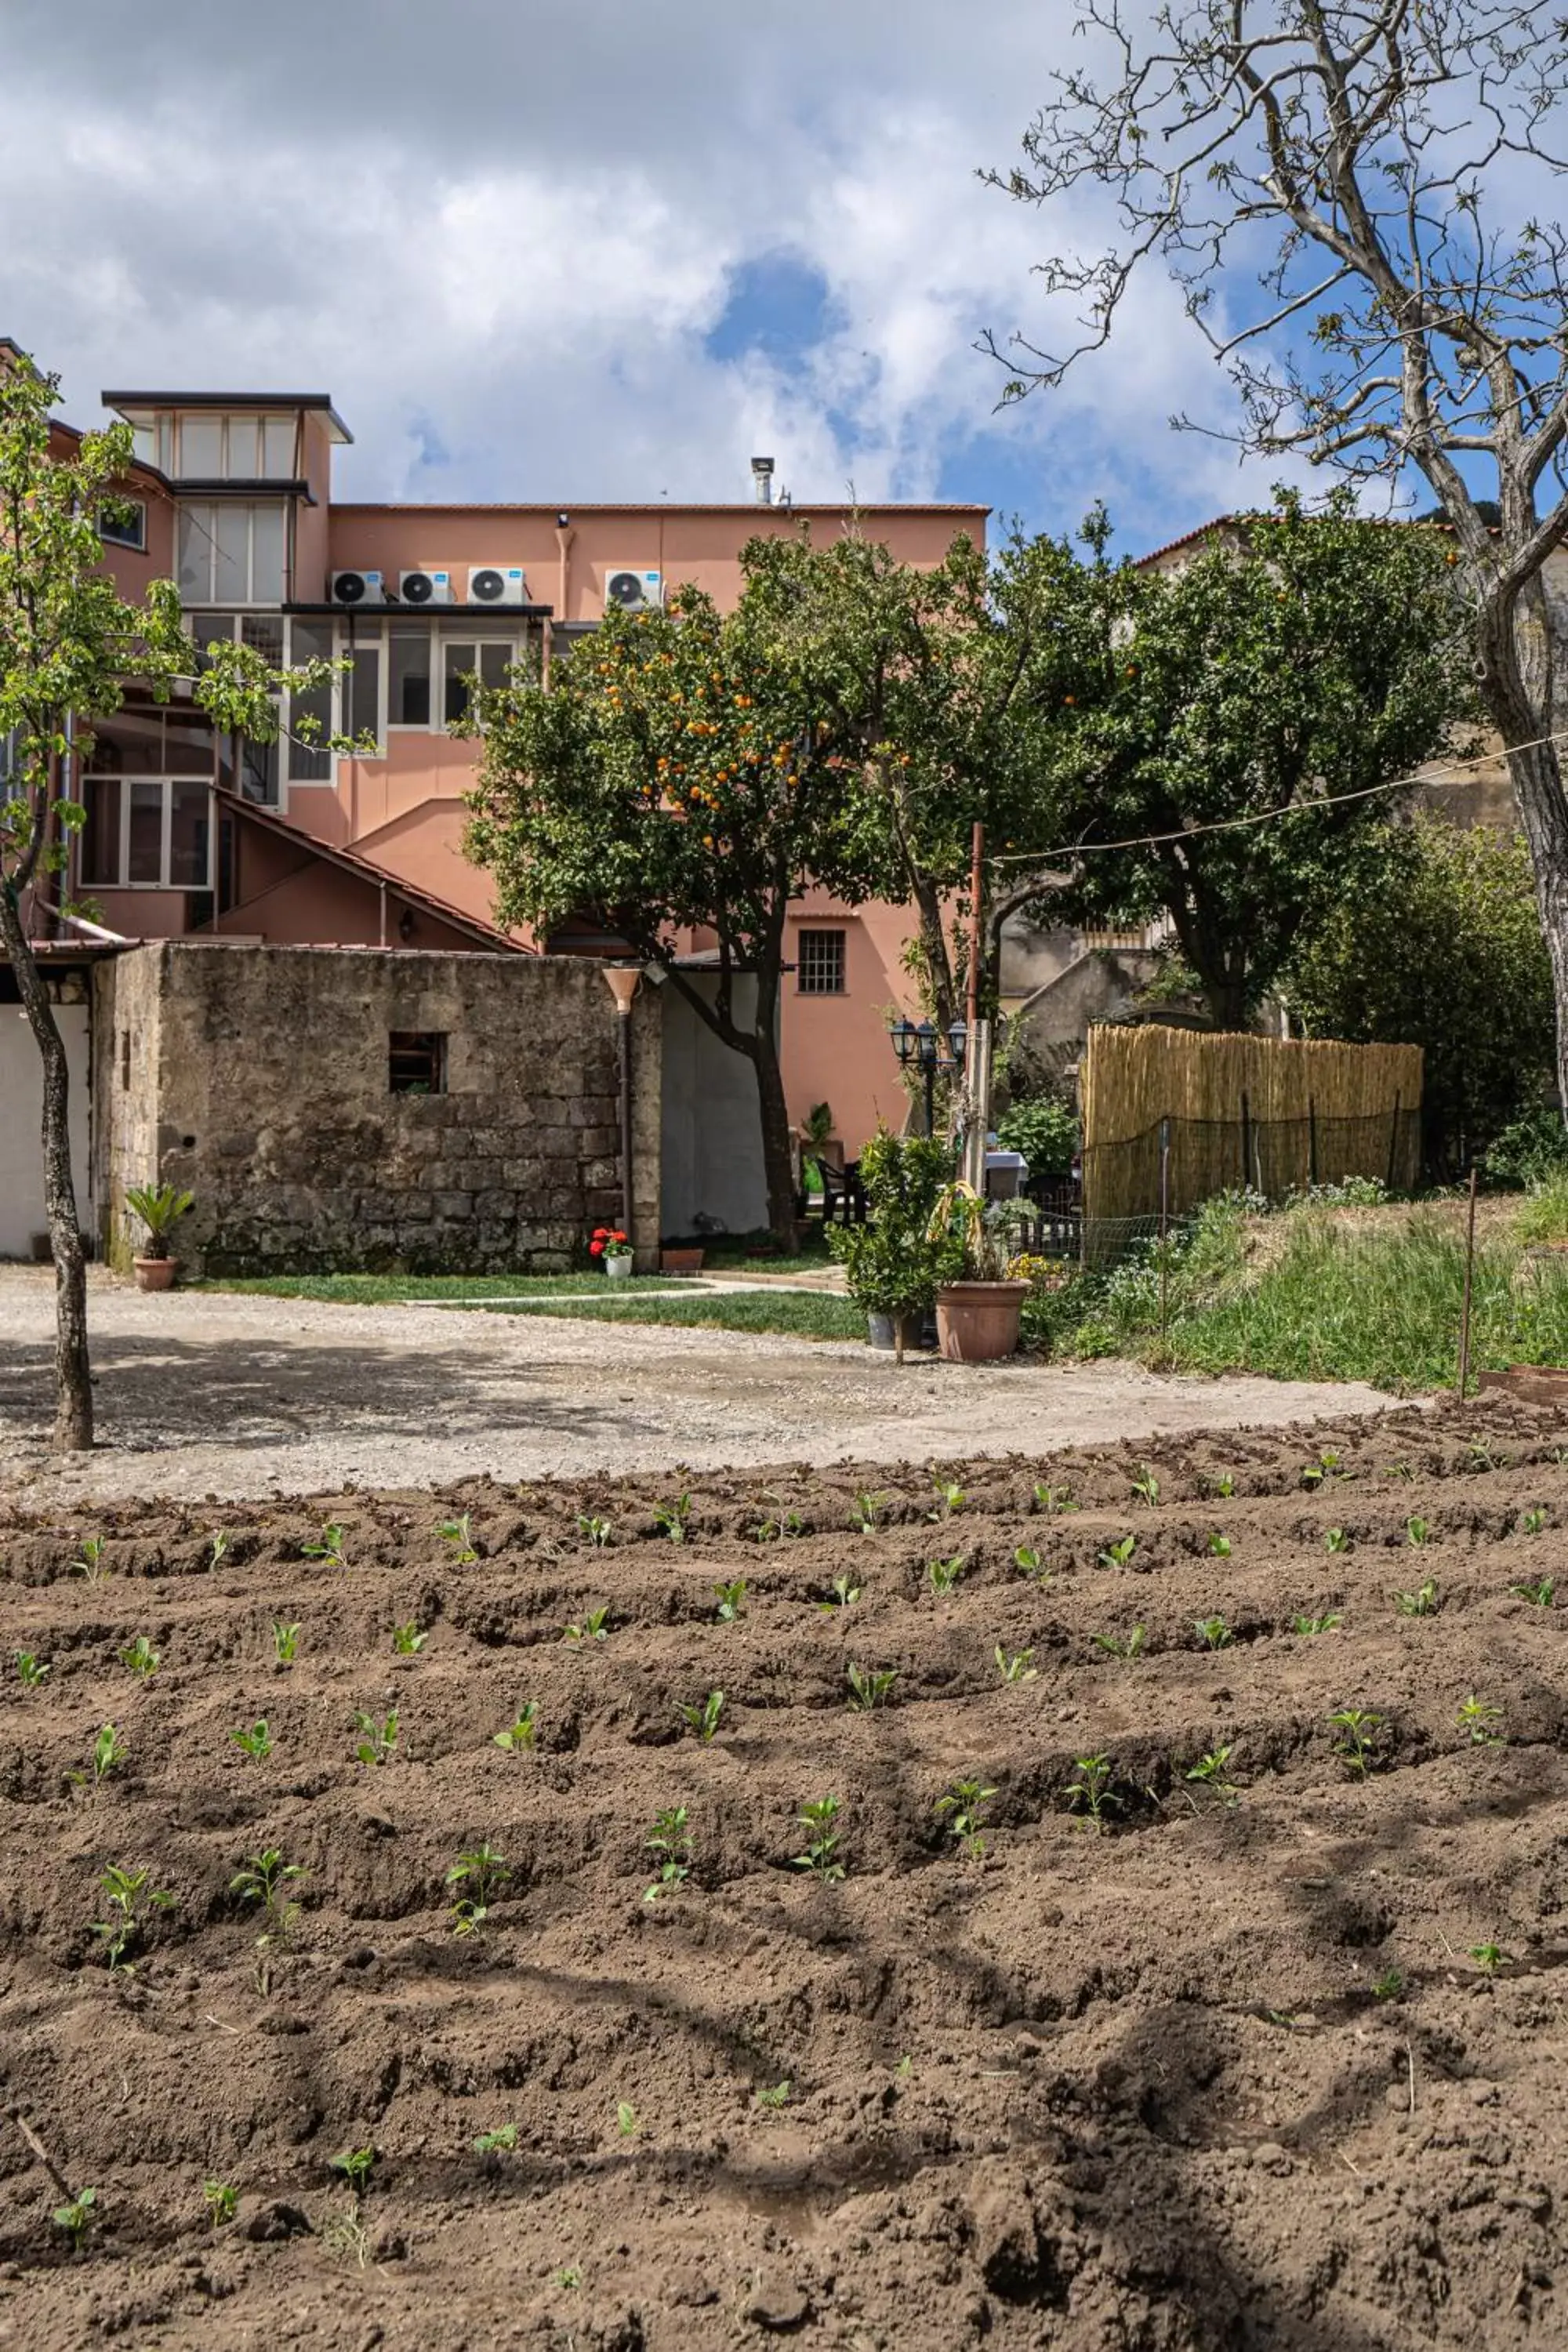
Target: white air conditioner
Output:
{"points": [[633, 591], [425, 587], [358, 588], [491, 583]]}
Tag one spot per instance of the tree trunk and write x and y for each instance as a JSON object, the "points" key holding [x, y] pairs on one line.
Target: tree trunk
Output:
{"points": [[73, 1379], [778, 1169], [1515, 650]]}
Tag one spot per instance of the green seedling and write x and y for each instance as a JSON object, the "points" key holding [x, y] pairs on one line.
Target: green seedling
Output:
{"points": [[91, 1563], [1389, 1986], [732, 1600], [354, 2164], [779, 1522], [1125, 1646], [1533, 1520], [776, 2095], [1357, 1747], [285, 1642], [962, 1813], [704, 1719], [1223, 1485], [595, 1530], [407, 1640], [592, 1626], [264, 1879], [1490, 1957], [1051, 1499], [481, 1873], [222, 2199], [670, 1839], [377, 1742], [142, 1657], [1014, 1665], [944, 1573], [846, 1593], [1028, 1559], [1477, 1718], [627, 2122], [1090, 1787], [671, 1518], [255, 1744], [1422, 1602], [1325, 1624], [1146, 1486], [1118, 1554], [1481, 1454], [950, 1497], [1213, 1632], [821, 1857], [74, 2216], [1209, 1772], [32, 1672], [502, 2140], [105, 1757], [1336, 1540], [870, 1688], [129, 1901], [1399, 1470], [866, 1512], [522, 1735], [1537, 1595], [1418, 1532], [459, 1535], [568, 2275], [1326, 1467], [218, 1545], [329, 1547], [904, 2070], [1219, 1545]]}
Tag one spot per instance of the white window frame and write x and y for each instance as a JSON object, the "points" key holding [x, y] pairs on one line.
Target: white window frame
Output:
{"points": [[208, 509], [449, 629], [165, 442], [122, 861]]}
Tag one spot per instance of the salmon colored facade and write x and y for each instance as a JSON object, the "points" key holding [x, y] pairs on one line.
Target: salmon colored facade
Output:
{"points": [[235, 499]]}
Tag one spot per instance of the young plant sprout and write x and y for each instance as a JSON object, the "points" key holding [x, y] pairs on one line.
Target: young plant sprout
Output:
{"points": [[671, 1518], [950, 1497], [1336, 1540], [1481, 1454], [1533, 1521], [1418, 1532], [1389, 1986], [1357, 1747], [1051, 1499], [1125, 1646], [1325, 1625], [105, 1757], [329, 1547], [944, 1573], [265, 1879], [1326, 1467], [570, 2275], [1146, 1486], [866, 1512], [482, 1873], [1490, 1957], [846, 1593], [627, 2122], [1090, 1787], [962, 1813], [222, 2199], [1477, 1718], [592, 1626], [377, 1742], [255, 1744], [595, 1530], [776, 2095], [670, 1839], [1214, 1632], [129, 1900], [1118, 1554], [1399, 1470], [502, 2140], [1422, 1602], [74, 2216], [354, 2164], [869, 1686], [1537, 1595], [407, 1640], [732, 1600], [32, 1672], [821, 1857], [523, 1734], [218, 1545], [779, 1522], [1223, 1483], [704, 1719], [91, 1563], [1209, 1772], [285, 1642], [1014, 1665], [1219, 1545], [459, 1535], [142, 1657], [1029, 1561]]}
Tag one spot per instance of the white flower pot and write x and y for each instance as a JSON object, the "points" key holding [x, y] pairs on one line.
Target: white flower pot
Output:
{"points": [[619, 1269]]}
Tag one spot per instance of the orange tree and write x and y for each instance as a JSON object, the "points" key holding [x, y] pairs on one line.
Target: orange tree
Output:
{"points": [[684, 774]]}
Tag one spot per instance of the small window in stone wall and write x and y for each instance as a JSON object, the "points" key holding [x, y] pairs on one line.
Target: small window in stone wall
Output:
{"points": [[416, 1062]]}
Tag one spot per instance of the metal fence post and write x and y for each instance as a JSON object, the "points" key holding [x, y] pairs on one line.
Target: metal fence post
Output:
{"points": [[1164, 1229], [1311, 1143], [1246, 1143]]}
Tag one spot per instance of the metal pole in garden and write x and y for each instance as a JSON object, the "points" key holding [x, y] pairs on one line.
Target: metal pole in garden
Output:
{"points": [[1165, 1228], [1469, 1269]]}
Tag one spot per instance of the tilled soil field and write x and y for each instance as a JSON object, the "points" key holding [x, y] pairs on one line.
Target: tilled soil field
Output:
{"points": [[1152, 2008]]}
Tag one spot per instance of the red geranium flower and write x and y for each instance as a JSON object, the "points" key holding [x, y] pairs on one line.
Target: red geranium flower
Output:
{"points": [[595, 1247]]}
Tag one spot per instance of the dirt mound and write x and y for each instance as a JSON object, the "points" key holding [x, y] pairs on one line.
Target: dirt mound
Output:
{"points": [[1273, 2055]]}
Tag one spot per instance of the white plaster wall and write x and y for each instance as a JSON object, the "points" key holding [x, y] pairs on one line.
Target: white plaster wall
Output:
{"points": [[713, 1147], [21, 1122]]}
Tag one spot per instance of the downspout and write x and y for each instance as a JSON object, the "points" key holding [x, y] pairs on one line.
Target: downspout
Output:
{"points": [[563, 538], [382, 888], [623, 983]]}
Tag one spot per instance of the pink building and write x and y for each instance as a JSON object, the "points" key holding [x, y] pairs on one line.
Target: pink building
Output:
{"points": [[234, 500]]}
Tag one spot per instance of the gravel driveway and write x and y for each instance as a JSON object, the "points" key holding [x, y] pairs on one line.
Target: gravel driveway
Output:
{"points": [[223, 1394]]}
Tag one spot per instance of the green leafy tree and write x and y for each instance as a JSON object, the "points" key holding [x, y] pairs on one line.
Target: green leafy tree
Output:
{"points": [[70, 646], [1434, 941]]}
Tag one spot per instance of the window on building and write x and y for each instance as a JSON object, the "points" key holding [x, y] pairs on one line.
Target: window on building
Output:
{"points": [[416, 1062], [819, 963], [230, 552], [202, 445], [466, 658], [124, 524], [310, 762], [408, 691], [147, 832], [361, 689]]}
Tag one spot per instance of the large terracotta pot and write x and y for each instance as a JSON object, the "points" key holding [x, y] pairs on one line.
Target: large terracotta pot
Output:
{"points": [[155, 1273], [976, 1322]]}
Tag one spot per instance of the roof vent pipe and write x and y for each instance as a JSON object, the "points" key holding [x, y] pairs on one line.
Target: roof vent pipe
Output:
{"points": [[763, 481]]}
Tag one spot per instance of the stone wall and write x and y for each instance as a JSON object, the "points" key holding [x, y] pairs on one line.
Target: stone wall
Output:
{"points": [[258, 1077]]}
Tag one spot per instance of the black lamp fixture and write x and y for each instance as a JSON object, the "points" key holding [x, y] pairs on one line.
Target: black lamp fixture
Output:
{"points": [[923, 1045]]}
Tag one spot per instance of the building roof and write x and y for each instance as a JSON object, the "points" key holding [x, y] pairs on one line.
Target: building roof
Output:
{"points": [[572, 507], [122, 401], [1188, 538]]}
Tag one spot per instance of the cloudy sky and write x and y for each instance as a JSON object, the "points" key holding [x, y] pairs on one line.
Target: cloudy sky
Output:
{"points": [[596, 250]]}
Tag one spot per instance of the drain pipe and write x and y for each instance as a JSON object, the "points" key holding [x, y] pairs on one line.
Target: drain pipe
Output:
{"points": [[623, 982]]}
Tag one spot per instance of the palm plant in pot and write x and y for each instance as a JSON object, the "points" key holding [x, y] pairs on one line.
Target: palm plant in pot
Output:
{"points": [[160, 1208], [890, 1263], [978, 1303]]}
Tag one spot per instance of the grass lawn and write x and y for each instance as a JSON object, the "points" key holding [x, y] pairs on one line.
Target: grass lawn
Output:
{"points": [[394, 1289], [796, 1313]]}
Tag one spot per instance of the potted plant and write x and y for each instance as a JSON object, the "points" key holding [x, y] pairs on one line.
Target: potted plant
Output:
{"points": [[160, 1208], [614, 1252], [890, 1262], [977, 1303]]}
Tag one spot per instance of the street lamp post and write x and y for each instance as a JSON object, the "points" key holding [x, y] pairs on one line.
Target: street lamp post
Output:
{"points": [[921, 1045]]}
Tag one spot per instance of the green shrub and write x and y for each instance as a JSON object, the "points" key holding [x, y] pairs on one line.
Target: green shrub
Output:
{"points": [[1532, 1150], [1045, 1129], [890, 1265]]}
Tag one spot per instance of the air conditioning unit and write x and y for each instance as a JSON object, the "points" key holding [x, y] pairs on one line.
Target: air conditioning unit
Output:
{"points": [[489, 583], [358, 588], [425, 587], [633, 591]]}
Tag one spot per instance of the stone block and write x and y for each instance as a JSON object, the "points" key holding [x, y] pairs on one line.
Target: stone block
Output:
{"points": [[490, 1205], [596, 1173], [453, 1204], [597, 1141]]}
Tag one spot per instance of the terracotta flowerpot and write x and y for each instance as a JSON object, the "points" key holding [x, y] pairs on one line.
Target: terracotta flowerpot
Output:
{"points": [[977, 1322], [680, 1261], [155, 1273]]}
